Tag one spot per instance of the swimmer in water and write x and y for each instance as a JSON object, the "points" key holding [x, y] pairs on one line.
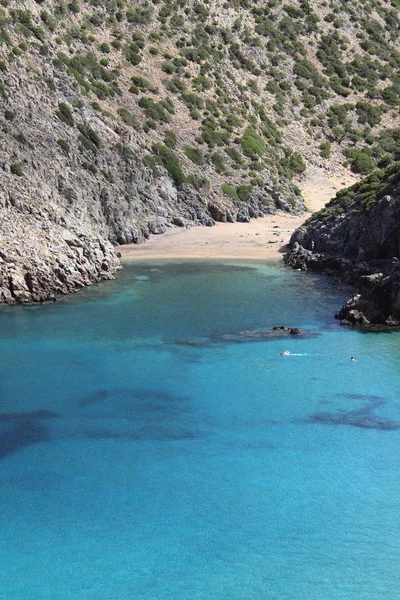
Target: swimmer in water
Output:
{"points": [[353, 359], [285, 353]]}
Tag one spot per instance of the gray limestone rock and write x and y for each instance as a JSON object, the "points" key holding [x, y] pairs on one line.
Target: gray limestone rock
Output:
{"points": [[361, 247]]}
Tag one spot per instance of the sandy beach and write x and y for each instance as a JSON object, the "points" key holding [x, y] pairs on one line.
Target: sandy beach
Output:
{"points": [[261, 239]]}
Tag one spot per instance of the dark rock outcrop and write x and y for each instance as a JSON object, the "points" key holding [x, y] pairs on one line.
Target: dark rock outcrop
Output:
{"points": [[356, 237], [246, 337], [281, 332]]}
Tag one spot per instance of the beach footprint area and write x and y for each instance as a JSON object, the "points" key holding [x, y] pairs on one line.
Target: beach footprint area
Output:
{"points": [[154, 442]]}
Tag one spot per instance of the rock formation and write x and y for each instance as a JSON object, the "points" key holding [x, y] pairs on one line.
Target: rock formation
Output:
{"points": [[357, 238]]}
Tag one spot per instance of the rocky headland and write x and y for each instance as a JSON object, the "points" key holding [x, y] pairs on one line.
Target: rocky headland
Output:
{"points": [[356, 237]]}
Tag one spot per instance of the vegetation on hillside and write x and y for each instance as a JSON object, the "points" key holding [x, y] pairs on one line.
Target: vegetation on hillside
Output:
{"points": [[362, 196], [230, 94]]}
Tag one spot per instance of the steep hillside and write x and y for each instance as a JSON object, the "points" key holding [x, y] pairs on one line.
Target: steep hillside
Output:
{"points": [[357, 236], [121, 118]]}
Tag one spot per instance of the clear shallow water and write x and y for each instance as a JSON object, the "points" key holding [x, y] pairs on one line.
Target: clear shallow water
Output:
{"points": [[166, 464]]}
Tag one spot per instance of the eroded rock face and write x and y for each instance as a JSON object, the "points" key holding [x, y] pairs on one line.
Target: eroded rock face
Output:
{"points": [[377, 303], [360, 245], [358, 236], [44, 253], [71, 188]]}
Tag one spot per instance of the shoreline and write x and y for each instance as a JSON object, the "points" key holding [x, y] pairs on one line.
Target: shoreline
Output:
{"points": [[263, 239]]}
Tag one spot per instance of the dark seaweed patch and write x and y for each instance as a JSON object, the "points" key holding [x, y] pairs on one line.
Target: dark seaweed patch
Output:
{"points": [[145, 433], [32, 415], [128, 400], [97, 396], [363, 418], [157, 395], [25, 434], [244, 337], [365, 397], [139, 414], [192, 343]]}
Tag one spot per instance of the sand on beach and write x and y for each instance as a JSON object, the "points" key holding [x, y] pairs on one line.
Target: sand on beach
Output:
{"points": [[264, 238], [318, 188], [261, 239]]}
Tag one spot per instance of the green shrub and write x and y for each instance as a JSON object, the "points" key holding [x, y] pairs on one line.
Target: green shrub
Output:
{"points": [[362, 163], [368, 113], [229, 191], [154, 110], [175, 85], [296, 163], [170, 139], [252, 144], [192, 100], [197, 182], [74, 6], [107, 175], [64, 114], [125, 152], [128, 117], [16, 169], [325, 149], [244, 192], [391, 95], [104, 47], [194, 154], [202, 83], [89, 167], [63, 145], [143, 84], [89, 138], [170, 161], [234, 154], [213, 138], [141, 15], [337, 115], [218, 162], [132, 54]]}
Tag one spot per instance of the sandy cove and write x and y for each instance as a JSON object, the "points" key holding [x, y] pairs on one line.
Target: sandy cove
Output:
{"points": [[261, 239]]}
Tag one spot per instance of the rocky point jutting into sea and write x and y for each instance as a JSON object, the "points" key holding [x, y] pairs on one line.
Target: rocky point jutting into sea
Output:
{"points": [[357, 237]]}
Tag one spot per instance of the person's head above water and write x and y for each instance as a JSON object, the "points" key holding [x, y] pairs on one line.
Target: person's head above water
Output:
{"points": [[285, 353]]}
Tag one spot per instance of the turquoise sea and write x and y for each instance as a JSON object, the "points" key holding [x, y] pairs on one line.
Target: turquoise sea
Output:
{"points": [[144, 456]]}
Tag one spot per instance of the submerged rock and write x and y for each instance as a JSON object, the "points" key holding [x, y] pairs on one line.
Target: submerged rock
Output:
{"points": [[243, 337]]}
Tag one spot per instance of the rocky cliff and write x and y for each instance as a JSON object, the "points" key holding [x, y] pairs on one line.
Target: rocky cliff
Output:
{"points": [[120, 119], [70, 190], [357, 237]]}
